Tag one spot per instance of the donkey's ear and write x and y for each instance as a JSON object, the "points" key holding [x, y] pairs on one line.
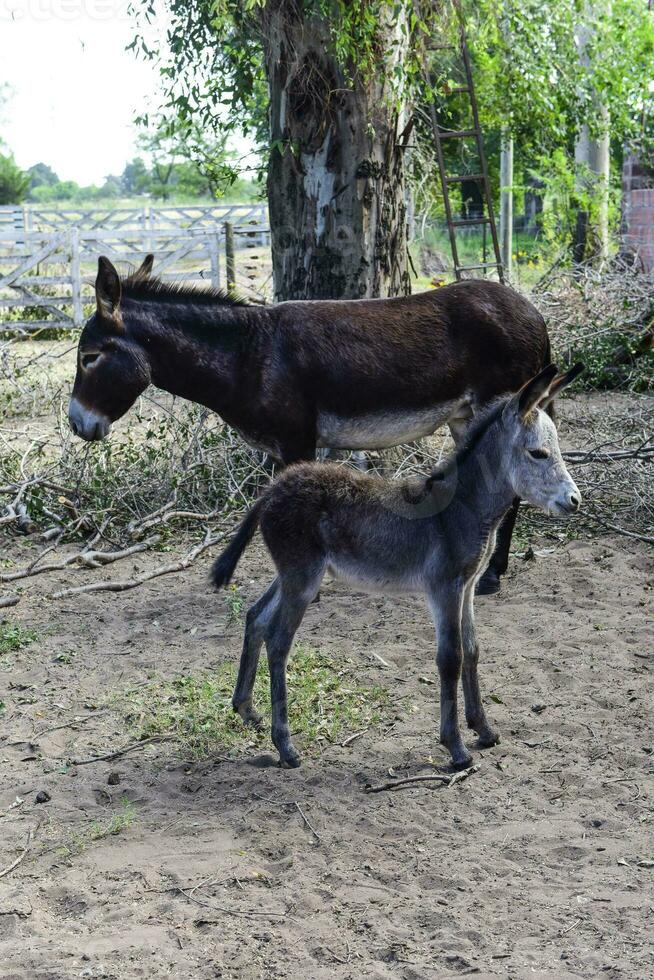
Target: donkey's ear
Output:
{"points": [[562, 381], [144, 271], [107, 291], [532, 392]]}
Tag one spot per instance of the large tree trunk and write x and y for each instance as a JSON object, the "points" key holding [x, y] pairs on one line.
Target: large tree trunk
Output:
{"points": [[336, 192]]}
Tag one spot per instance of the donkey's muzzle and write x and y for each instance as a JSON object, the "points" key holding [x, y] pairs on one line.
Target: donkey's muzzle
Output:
{"points": [[87, 424]]}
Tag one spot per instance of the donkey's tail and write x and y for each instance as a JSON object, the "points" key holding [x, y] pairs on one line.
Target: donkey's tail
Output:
{"points": [[224, 565]]}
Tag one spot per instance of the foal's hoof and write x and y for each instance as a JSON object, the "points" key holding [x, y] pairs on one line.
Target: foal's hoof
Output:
{"points": [[249, 716], [289, 758], [487, 738], [489, 583], [461, 762]]}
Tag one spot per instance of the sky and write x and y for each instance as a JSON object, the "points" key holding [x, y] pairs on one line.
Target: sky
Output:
{"points": [[74, 89]]}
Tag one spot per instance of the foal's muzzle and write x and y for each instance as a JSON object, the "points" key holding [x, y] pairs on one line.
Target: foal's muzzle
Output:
{"points": [[569, 503], [87, 424]]}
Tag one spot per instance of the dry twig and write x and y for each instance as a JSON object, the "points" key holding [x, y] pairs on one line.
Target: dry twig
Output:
{"points": [[442, 778]]}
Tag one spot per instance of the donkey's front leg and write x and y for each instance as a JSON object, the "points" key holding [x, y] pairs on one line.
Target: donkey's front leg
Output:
{"points": [[475, 714], [446, 603]]}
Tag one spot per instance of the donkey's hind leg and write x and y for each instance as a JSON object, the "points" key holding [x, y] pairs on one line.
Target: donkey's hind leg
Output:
{"points": [[298, 589], [258, 617], [475, 714]]}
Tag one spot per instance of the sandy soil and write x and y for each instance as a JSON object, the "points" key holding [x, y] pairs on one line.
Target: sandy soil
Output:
{"points": [[538, 865]]}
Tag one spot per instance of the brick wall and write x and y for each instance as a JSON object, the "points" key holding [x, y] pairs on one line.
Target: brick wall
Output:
{"points": [[638, 211]]}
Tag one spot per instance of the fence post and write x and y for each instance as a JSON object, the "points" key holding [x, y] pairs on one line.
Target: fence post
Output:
{"points": [[151, 223], [230, 258], [214, 258], [76, 278]]}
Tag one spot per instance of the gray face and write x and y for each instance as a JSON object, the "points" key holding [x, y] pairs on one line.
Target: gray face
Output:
{"points": [[538, 472]]}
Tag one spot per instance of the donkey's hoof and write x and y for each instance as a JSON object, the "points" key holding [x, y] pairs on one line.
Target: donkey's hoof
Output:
{"points": [[487, 738], [289, 758], [489, 583]]}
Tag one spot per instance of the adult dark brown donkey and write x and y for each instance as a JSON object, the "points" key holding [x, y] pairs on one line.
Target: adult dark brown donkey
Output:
{"points": [[345, 374]]}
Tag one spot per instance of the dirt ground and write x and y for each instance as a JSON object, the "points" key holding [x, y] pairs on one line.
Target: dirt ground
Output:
{"points": [[538, 865]]}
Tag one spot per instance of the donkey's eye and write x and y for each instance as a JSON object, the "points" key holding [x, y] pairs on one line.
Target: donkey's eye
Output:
{"points": [[538, 453], [89, 359]]}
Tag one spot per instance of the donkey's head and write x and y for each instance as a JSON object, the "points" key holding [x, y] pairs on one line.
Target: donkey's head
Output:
{"points": [[537, 471], [112, 371]]}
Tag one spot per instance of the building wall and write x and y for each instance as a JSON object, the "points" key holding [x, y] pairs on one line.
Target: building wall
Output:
{"points": [[638, 212]]}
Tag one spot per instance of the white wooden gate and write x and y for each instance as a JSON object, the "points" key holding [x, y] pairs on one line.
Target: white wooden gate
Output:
{"points": [[44, 258]]}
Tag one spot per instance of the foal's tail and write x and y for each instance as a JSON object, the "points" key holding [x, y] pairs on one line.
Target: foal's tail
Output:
{"points": [[224, 565]]}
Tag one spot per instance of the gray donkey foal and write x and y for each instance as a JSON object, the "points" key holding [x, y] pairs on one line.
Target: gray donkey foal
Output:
{"points": [[433, 534]]}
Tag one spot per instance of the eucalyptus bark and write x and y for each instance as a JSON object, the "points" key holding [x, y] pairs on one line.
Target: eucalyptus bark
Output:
{"points": [[506, 203], [592, 163], [336, 174]]}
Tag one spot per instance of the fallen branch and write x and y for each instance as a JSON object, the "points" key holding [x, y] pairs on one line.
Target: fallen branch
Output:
{"points": [[622, 530], [95, 559], [9, 600], [127, 584], [20, 858], [117, 753], [448, 781], [86, 558], [306, 820], [77, 720], [230, 911]]}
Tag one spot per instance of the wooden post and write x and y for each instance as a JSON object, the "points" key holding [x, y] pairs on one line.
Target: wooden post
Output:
{"points": [[151, 219], [76, 278], [214, 258], [506, 203], [230, 258]]}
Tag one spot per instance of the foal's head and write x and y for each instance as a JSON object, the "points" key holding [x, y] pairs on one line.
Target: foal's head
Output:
{"points": [[536, 468], [111, 370]]}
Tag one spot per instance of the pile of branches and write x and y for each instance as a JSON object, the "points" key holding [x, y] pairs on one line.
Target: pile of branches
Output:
{"points": [[170, 473], [604, 317]]}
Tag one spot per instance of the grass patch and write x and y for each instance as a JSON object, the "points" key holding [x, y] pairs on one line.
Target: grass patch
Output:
{"points": [[119, 821], [14, 637], [235, 602], [98, 830], [196, 711]]}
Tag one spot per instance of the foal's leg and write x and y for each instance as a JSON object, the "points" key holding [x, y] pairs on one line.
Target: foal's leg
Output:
{"points": [[258, 617], [475, 714], [446, 604], [297, 590]]}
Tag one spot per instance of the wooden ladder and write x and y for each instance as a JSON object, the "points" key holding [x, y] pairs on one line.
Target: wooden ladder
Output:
{"points": [[447, 180]]}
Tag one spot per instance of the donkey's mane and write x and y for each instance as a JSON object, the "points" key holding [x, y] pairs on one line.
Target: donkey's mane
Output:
{"points": [[479, 426], [153, 288]]}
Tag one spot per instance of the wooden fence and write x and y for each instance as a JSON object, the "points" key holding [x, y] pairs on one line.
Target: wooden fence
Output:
{"points": [[46, 254], [29, 218]]}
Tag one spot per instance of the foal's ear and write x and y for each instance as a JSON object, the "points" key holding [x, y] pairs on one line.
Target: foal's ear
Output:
{"points": [[532, 392], [107, 292], [144, 271], [561, 382]]}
